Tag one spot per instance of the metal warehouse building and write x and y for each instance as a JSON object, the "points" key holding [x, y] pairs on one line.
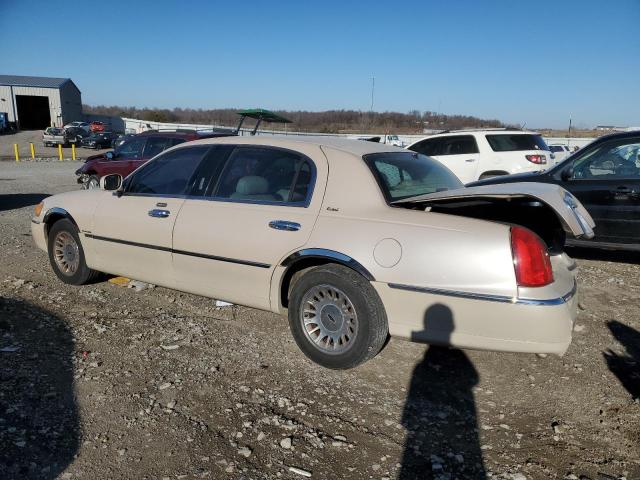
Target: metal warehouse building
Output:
{"points": [[38, 102]]}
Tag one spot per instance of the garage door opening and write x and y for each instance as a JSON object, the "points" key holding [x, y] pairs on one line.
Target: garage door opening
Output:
{"points": [[33, 112]]}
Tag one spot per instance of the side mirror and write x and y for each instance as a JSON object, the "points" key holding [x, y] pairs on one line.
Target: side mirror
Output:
{"points": [[111, 182], [109, 155], [567, 174]]}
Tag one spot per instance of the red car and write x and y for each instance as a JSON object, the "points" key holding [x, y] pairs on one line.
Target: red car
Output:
{"points": [[141, 148], [134, 152], [97, 127]]}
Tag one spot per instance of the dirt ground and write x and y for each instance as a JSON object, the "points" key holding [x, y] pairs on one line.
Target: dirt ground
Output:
{"points": [[23, 139], [107, 382]]}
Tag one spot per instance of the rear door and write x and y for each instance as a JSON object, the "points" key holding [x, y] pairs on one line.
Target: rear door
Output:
{"points": [[459, 153], [607, 182], [132, 233], [252, 207]]}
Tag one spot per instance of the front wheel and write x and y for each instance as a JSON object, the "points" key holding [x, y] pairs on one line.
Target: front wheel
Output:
{"points": [[67, 256], [336, 317], [92, 183]]}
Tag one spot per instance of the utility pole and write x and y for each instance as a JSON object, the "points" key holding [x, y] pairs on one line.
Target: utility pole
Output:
{"points": [[569, 133], [373, 86]]}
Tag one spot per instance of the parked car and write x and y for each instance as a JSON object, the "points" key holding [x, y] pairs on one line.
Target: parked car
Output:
{"points": [[131, 154], [52, 136], [75, 135], [559, 152], [140, 148], [83, 125], [98, 140], [97, 126], [605, 177], [474, 154], [280, 224], [57, 136]]}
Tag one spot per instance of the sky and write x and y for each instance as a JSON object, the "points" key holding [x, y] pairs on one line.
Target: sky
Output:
{"points": [[526, 62]]}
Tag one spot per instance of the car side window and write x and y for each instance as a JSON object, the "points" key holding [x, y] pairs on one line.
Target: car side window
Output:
{"points": [[131, 149], [429, 147], [270, 175], [155, 145], [611, 160], [461, 145], [168, 174]]}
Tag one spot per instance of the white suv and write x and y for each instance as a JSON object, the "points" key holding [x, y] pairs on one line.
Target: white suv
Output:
{"points": [[478, 154]]}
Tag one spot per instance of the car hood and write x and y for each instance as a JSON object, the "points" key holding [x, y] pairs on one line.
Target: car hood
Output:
{"points": [[574, 218]]}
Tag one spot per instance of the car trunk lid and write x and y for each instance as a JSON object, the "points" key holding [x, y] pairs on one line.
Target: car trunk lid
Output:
{"points": [[541, 207]]}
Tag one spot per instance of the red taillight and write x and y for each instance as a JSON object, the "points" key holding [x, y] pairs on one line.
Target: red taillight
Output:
{"points": [[530, 259], [537, 159]]}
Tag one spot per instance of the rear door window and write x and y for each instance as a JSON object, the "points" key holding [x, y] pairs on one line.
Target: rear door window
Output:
{"points": [[266, 175], [516, 142], [156, 145]]}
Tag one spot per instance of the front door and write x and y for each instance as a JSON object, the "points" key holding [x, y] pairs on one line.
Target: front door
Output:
{"points": [[132, 233], [259, 205], [607, 182]]}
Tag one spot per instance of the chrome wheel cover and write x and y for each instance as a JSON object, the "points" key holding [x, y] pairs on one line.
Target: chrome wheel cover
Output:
{"points": [[93, 184], [329, 319], [66, 253]]}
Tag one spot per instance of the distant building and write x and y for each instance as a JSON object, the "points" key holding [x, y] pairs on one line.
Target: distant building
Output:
{"points": [[34, 103]]}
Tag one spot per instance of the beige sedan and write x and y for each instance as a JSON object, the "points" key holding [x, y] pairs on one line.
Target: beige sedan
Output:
{"points": [[352, 240]]}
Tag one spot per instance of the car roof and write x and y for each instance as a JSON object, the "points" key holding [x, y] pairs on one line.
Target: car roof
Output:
{"points": [[355, 147]]}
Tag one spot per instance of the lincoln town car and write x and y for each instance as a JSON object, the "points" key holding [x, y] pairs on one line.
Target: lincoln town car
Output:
{"points": [[353, 241]]}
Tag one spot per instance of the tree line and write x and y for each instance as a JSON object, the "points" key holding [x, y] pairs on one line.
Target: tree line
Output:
{"points": [[330, 121]]}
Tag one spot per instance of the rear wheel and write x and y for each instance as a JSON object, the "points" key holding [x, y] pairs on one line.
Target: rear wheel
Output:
{"points": [[336, 317], [67, 256]]}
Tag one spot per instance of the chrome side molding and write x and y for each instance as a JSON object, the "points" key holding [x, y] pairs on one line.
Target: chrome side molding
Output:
{"points": [[491, 298]]}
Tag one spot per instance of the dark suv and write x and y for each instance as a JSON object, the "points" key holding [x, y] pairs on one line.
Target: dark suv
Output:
{"points": [[136, 151]]}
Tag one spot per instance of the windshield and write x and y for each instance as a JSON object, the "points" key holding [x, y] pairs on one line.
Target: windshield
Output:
{"points": [[403, 175], [516, 142]]}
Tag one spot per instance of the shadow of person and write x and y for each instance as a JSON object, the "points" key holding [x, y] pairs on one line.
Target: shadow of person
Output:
{"points": [[39, 427], [625, 367], [439, 413], [13, 201]]}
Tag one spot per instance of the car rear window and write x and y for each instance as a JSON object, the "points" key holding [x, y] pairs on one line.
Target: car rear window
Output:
{"points": [[404, 175], [516, 142]]}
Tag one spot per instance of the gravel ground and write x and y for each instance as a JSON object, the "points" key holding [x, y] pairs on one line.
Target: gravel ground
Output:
{"points": [[103, 381]]}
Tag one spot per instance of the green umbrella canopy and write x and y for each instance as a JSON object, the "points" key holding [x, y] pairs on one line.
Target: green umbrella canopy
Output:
{"points": [[262, 114]]}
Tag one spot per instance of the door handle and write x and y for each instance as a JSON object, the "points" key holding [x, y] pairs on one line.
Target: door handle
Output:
{"points": [[284, 225], [623, 190], [158, 213], [469, 160]]}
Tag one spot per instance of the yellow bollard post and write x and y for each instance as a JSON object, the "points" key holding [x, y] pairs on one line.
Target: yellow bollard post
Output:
{"points": [[73, 152], [60, 151], [33, 151], [15, 150]]}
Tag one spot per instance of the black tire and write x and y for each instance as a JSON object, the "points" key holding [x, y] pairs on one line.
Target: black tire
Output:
{"points": [[372, 328], [82, 274]]}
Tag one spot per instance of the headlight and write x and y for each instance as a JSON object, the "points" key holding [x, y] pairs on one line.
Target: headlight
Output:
{"points": [[38, 209]]}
